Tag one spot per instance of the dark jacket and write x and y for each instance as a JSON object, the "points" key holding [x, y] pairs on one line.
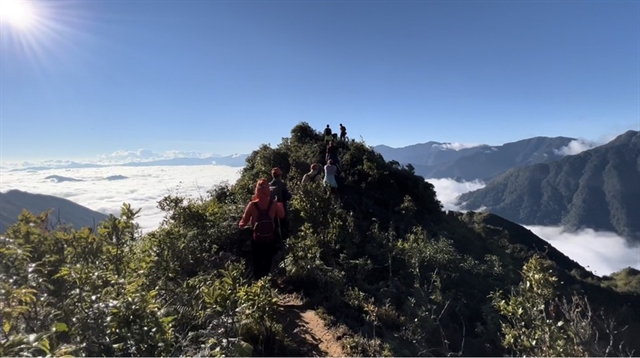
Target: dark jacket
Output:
{"points": [[279, 190]]}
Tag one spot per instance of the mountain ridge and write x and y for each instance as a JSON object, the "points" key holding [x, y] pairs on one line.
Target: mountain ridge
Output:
{"points": [[13, 202], [598, 188], [381, 260], [482, 162]]}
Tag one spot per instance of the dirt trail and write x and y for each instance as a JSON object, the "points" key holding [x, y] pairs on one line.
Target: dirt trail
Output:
{"points": [[307, 330]]}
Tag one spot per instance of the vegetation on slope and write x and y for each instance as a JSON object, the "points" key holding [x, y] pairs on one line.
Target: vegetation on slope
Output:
{"points": [[64, 211], [384, 262], [597, 188]]}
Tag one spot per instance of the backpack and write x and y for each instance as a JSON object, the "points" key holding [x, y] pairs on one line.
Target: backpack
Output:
{"points": [[264, 228]]}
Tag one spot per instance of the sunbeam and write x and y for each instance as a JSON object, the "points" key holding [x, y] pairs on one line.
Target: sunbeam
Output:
{"points": [[17, 13]]}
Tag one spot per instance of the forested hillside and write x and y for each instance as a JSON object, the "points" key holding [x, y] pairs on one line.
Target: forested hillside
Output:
{"points": [[598, 189], [382, 264], [63, 211], [483, 162]]}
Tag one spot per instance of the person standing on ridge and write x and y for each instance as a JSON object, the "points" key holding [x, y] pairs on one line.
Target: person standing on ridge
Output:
{"points": [[260, 214], [343, 132], [281, 194], [332, 154], [328, 134], [314, 176], [330, 171]]}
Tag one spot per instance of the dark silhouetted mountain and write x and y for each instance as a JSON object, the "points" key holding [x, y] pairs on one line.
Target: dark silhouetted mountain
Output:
{"points": [[65, 211], [60, 178], [598, 189], [484, 162]]}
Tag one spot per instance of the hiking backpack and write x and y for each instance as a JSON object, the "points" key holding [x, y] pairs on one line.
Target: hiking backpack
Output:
{"points": [[264, 228]]}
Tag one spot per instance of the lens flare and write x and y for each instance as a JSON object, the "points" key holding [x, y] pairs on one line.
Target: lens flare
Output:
{"points": [[17, 13]]}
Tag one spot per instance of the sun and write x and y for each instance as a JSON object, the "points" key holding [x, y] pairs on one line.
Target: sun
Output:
{"points": [[18, 13]]}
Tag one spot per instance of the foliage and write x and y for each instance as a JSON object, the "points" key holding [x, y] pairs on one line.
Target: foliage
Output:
{"points": [[625, 280], [381, 260], [538, 323], [115, 293]]}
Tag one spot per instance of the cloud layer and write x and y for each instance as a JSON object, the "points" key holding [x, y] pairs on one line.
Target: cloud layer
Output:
{"points": [[142, 187], [455, 145], [448, 190], [143, 155], [598, 251], [114, 158]]}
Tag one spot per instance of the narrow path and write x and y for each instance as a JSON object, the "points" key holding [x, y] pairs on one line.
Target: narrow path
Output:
{"points": [[307, 330]]}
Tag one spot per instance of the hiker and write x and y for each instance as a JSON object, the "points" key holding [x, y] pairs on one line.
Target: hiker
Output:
{"points": [[328, 134], [332, 153], [330, 171], [281, 194], [260, 214], [343, 132], [314, 176]]}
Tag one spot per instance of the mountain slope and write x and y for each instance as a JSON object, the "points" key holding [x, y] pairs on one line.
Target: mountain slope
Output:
{"points": [[598, 188], [430, 154], [387, 270], [14, 201], [484, 162]]}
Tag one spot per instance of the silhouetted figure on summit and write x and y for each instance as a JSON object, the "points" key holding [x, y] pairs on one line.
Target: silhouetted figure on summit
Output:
{"points": [[328, 134]]}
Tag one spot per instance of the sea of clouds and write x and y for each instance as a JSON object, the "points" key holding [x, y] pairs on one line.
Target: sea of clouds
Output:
{"points": [[142, 187], [600, 252]]}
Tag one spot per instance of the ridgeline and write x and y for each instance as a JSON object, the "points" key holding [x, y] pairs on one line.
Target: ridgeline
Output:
{"points": [[598, 189], [387, 270]]}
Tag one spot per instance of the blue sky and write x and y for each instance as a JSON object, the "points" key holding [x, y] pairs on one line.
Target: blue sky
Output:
{"points": [[93, 77]]}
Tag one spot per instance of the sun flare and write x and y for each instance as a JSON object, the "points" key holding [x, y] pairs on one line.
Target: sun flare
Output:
{"points": [[18, 13]]}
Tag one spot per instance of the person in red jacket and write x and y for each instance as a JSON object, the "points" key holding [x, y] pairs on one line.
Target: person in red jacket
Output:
{"points": [[260, 214]]}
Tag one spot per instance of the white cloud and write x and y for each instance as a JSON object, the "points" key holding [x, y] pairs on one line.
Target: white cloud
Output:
{"points": [[114, 158], [576, 146], [144, 155], [448, 190], [598, 251], [142, 188], [455, 146]]}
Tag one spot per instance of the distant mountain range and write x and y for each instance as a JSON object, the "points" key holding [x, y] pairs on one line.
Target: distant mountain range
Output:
{"points": [[237, 160], [481, 162], [598, 188], [65, 211], [60, 178]]}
